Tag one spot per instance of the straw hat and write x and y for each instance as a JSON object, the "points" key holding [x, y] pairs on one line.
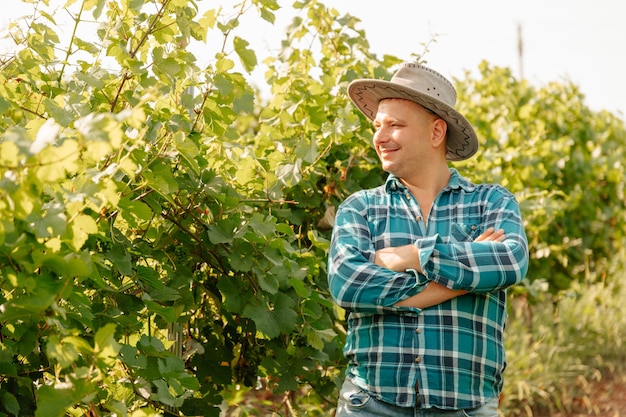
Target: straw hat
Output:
{"points": [[427, 88]]}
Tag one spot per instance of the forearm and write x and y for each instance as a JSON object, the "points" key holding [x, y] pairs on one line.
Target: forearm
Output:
{"points": [[432, 295], [356, 281], [358, 284], [479, 267], [372, 291]]}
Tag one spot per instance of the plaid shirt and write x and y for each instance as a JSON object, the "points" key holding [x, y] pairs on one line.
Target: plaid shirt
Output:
{"points": [[452, 352]]}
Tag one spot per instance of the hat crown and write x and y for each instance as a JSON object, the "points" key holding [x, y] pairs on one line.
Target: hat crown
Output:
{"points": [[427, 82]]}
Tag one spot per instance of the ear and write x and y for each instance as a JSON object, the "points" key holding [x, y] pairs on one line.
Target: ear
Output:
{"points": [[439, 129]]}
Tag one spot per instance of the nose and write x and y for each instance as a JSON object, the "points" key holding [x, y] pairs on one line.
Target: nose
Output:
{"points": [[381, 135]]}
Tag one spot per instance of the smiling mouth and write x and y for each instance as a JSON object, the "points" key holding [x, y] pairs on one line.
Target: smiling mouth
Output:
{"points": [[383, 152]]}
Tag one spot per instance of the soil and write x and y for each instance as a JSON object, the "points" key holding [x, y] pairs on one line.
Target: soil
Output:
{"points": [[606, 398]]}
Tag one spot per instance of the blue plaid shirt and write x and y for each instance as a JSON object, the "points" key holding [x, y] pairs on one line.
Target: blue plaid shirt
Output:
{"points": [[452, 354]]}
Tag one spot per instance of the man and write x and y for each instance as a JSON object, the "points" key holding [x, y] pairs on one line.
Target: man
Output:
{"points": [[421, 264]]}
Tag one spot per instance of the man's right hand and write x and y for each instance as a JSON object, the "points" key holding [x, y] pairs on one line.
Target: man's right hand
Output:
{"points": [[492, 235]]}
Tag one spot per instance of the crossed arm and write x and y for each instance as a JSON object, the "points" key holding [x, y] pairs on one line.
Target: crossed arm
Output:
{"points": [[402, 258], [364, 279]]}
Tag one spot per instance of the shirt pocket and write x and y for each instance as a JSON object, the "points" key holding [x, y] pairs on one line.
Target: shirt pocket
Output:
{"points": [[464, 232]]}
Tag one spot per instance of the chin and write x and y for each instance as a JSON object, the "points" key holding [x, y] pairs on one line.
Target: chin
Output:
{"points": [[388, 167]]}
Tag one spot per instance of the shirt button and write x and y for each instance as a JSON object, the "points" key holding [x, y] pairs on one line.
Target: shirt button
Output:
{"points": [[418, 218], [418, 331], [418, 360]]}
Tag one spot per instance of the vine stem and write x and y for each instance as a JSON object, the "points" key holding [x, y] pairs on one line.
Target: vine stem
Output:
{"points": [[68, 52], [151, 29]]}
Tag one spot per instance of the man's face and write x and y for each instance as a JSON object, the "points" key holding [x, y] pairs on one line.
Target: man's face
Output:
{"points": [[403, 136]]}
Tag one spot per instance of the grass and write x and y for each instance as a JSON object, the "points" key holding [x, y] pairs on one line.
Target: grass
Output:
{"points": [[557, 347]]}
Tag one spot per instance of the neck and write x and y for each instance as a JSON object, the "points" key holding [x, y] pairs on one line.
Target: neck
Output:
{"points": [[429, 182], [426, 188]]}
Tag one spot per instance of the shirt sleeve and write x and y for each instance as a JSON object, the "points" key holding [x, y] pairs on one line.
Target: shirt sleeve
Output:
{"points": [[480, 267], [355, 281]]}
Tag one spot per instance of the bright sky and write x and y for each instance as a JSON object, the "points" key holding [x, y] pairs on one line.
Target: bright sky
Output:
{"points": [[578, 40]]}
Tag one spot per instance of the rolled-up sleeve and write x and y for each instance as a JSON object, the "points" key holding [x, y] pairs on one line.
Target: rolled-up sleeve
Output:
{"points": [[356, 282]]}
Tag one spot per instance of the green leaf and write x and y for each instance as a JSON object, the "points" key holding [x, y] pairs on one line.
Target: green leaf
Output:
{"points": [[101, 132], [121, 260], [208, 19], [131, 356], [307, 150], [274, 319], [263, 318], [217, 235], [146, 412], [263, 225], [224, 65], [224, 84], [161, 179], [318, 338], [150, 345], [199, 407], [290, 174], [241, 261], [70, 265], [4, 105], [9, 154], [10, 403], [65, 354], [247, 170], [86, 46], [246, 55], [7, 368], [236, 296], [188, 151], [53, 221], [169, 66], [268, 15], [82, 226], [135, 212], [169, 314], [171, 366], [166, 395], [268, 282], [106, 346], [56, 162], [36, 302], [54, 402]]}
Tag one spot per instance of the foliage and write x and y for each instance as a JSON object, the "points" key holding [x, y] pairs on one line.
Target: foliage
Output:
{"points": [[164, 228], [564, 162], [159, 238]]}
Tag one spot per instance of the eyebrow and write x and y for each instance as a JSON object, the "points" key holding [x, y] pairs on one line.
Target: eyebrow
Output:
{"points": [[388, 118]]}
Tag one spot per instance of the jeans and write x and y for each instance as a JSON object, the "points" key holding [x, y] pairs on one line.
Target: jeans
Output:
{"points": [[353, 402]]}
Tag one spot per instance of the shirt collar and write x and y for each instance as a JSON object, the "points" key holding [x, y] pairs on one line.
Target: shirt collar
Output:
{"points": [[456, 182]]}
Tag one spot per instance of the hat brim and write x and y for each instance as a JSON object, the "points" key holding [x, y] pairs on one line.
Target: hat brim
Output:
{"points": [[462, 142]]}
